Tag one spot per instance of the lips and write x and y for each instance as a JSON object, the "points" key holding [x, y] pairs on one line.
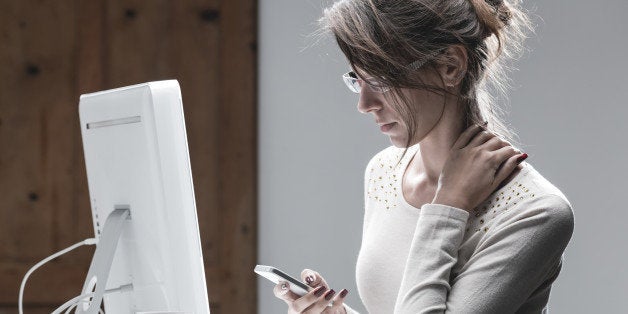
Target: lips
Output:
{"points": [[386, 127]]}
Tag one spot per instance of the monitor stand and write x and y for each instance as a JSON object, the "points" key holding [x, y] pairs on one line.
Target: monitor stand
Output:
{"points": [[98, 274]]}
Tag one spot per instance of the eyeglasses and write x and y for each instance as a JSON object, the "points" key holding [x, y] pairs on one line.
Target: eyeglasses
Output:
{"points": [[354, 83]]}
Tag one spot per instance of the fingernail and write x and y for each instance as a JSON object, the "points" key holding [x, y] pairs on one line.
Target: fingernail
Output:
{"points": [[309, 279], [522, 158], [284, 286], [329, 294], [343, 293], [319, 291]]}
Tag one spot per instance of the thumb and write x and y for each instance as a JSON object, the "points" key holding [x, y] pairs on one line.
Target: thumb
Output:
{"points": [[313, 278], [282, 291]]}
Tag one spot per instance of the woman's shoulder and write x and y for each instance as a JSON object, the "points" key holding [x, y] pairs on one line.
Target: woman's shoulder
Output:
{"points": [[538, 185], [533, 195]]}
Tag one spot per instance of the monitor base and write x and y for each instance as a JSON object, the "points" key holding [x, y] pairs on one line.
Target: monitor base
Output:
{"points": [[96, 280]]}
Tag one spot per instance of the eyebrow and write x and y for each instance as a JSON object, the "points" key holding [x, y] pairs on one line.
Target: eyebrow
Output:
{"points": [[360, 77]]}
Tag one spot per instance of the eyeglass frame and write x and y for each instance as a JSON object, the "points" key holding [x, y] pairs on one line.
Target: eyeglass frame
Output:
{"points": [[376, 87]]}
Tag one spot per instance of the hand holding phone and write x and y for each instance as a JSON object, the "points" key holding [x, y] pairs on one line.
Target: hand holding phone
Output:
{"points": [[275, 275], [314, 297]]}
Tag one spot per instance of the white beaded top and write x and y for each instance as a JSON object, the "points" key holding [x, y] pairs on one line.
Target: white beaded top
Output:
{"points": [[522, 215]]}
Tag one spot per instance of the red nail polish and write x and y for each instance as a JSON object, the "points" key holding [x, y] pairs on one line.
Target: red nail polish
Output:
{"points": [[343, 293], [329, 294], [309, 279], [319, 291], [522, 158]]}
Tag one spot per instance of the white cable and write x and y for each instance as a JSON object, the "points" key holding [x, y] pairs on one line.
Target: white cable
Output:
{"points": [[69, 310], [90, 241], [77, 300], [72, 302], [73, 307]]}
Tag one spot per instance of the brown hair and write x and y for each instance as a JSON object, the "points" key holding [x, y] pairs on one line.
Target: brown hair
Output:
{"points": [[381, 37]]}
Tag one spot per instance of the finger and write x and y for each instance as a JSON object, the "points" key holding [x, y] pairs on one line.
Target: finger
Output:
{"points": [[307, 300], [519, 160], [493, 144], [496, 143], [338, 300], [510, 156], [501, 155], [313, 278], [321, 303], [466, 136], [282, 291], [480, 138]]}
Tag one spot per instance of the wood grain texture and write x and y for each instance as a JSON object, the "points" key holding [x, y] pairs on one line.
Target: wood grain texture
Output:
{"points": [[53, 51], [237, 118]]}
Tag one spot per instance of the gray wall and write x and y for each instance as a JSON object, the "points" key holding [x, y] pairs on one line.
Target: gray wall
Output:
{"points": [[568, 108]]}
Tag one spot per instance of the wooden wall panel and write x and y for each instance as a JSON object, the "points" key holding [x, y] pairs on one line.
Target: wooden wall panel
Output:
{"points": [[236, 118], [38, 111], [53, 51]]}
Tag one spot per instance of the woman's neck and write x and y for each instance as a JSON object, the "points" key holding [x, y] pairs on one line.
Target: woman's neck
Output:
{"points": [[435, 146]]}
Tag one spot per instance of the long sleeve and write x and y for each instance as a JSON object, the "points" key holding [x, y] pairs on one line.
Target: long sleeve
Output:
{"points": [[521, 252]]}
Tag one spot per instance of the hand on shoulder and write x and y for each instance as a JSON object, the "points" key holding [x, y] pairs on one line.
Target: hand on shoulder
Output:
{"points": [[478, 163]]}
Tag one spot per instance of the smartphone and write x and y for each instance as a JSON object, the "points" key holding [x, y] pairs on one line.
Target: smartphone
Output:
{"points": [[275, 275]]}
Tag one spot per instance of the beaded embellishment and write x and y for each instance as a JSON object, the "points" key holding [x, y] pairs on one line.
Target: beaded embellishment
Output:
{"points": [[383, 185], [503, 201]]}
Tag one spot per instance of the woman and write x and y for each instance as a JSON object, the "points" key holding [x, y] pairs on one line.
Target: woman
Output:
{"points": [[454, 220]]}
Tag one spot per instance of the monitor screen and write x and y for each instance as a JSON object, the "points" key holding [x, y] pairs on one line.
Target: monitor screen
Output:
{"points": [[137, 158]]}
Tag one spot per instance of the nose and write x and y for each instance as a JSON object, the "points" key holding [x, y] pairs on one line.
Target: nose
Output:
{"points": [[368, 101]]}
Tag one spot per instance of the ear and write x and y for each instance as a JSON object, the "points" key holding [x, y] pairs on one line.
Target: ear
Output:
{"points": [[453, 72]]}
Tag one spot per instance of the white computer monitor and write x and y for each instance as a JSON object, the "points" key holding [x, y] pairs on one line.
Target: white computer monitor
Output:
{"points": [[142, 202]]}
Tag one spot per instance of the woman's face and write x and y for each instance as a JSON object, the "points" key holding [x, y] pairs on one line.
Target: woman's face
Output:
{"points": [[427, 106]]}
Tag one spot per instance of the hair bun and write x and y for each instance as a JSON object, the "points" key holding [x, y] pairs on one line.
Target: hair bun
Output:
{"points": [[493, 14], [501, 10]]}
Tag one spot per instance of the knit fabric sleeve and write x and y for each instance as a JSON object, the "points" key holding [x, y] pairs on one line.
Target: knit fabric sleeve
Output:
{"points": [[514, 258]]}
